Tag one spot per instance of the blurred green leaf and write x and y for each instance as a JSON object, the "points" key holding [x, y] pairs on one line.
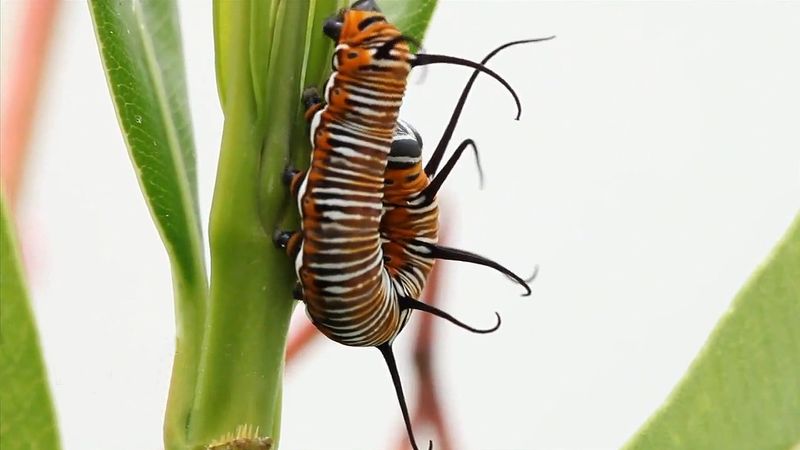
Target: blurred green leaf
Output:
{"points": [[743, 390], [140, 47], [27, 419]]}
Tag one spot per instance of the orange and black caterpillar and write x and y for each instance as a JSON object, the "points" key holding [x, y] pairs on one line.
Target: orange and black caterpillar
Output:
{"points": [[357, 291]]}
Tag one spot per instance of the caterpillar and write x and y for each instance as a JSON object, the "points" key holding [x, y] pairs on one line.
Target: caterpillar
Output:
{"points": [[358, 289]]}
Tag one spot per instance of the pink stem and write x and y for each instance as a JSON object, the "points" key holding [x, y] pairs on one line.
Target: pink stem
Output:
{"points": [[22, 90]]}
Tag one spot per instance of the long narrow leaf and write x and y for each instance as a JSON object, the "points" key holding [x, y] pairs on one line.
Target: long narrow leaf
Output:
{"points": [[141, 51], [140, 47], [27, 420], [743, 390]]}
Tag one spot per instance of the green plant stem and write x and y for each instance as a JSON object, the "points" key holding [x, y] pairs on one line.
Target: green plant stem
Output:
{"points": [[283, 88], [251, 302], [241, 367], [190, 313]]}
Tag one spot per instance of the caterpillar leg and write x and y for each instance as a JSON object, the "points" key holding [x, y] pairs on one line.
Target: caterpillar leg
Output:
{"points": [[411, 303], [454, 254], [289, 173], [432, 189], [292, 178], [388, 356], [297, 292], [312, 101], [288, 240]]}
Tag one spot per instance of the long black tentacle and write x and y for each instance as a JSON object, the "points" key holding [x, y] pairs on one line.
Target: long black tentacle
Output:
{"points": [[454, 254], [410, 303], [433, 187], [388, 356], [436, 157], [427, 58]]}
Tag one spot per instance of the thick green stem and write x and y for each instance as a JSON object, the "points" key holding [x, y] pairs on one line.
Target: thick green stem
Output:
{"points": [[250, 305], [239, 381]]}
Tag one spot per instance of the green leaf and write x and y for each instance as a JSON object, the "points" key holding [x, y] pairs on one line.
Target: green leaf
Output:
{"points": [[141, 51], [27, 420], [743, 390], [140, 48]]}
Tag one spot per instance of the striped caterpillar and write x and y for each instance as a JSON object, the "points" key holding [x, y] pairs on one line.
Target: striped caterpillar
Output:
{"points": [[369, 217]]}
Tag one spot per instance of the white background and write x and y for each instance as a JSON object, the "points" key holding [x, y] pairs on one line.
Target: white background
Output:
{"points": [[656, 164]]}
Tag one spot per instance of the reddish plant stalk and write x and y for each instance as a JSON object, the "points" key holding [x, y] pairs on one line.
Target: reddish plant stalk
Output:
{"points": [[21, 91], [300, 339]]}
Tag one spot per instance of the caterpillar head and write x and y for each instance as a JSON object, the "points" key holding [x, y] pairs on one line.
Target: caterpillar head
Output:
{"points": [[364, 37]]}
